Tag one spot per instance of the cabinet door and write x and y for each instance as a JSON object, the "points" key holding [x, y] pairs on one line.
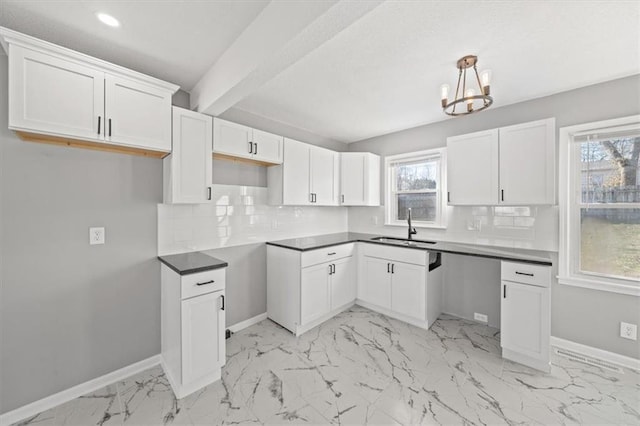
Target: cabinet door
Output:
{"points": [[527, 163], [325, 176], [267, 147], [203, 349], [191, 162], [295, 173], [352, 178], [472, 168], [343, 282], [53, 96], [232, 139], [524, 319], [137, 115], [376, 285], [408, 290], [314, 292]]}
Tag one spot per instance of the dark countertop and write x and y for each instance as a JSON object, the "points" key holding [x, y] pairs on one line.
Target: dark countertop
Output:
{"points": [[190, 263], [491, 252]]}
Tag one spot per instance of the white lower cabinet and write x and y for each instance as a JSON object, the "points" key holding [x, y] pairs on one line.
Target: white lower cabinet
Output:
{"points": [[193, 328], [525, 314], [394, 281], [306, 288]]}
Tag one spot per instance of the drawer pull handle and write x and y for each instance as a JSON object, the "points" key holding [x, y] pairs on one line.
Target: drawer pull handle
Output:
{"points": [[206, 282], [250, 147], [331, 254], [524, 273], [388, 266], [330, 270], [222, 302], [99, 119], [504, 291], [109, 127], [392, 268]]}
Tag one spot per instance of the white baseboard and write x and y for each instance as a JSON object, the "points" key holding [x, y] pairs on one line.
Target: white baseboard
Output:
{"points": [[67, 395], [621, 360], [247, 323]]}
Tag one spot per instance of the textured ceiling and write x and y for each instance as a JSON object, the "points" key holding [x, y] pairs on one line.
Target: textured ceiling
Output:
{"points": [[384, 72], [176, 41], [381, 74]]}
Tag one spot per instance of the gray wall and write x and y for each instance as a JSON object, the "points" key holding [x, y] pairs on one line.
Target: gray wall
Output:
{"points": [[471, 285], [71, 312], [584, 316], [246, 289]]}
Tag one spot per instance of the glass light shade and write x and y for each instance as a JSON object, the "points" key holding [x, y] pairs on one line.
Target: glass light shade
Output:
{"points": [[444, 91]]}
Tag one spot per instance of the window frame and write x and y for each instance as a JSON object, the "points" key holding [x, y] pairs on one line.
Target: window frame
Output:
{"points": [[439, 154], [570, 204]]}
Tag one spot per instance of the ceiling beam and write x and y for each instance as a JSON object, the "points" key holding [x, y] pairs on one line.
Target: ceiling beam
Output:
{"points": [[281, 35]]}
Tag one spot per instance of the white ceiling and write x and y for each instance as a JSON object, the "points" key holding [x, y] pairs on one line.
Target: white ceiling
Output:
{"points": [[176, 41], [384, 72], [380, 74]]}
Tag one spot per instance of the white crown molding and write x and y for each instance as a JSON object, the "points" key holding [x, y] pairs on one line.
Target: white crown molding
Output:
{"points": [[9, 37]]}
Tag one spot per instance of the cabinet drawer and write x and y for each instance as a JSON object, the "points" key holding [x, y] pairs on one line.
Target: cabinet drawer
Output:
{"points": [[326, 254], [200, 283], [525, 273]]}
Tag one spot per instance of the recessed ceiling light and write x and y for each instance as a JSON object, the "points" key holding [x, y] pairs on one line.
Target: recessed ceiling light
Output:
{"points": [[108, 20]]}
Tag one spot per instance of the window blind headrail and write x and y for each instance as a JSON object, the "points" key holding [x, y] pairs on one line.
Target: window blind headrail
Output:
{"points": [[608, 133]]}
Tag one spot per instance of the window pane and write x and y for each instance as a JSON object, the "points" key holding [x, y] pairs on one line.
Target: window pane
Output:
{"points": [[610, 171], [417, 176], [423, 206], [610, 242]]}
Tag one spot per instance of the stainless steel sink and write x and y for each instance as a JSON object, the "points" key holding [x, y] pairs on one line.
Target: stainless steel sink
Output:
{"points": [[404, 242]]}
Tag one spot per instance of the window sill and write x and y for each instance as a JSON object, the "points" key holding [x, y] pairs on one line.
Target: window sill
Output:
{"points": [[611, 287]]}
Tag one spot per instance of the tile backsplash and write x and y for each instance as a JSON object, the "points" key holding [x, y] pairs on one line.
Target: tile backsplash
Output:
{"points": [[240, 215], [529, 227]]}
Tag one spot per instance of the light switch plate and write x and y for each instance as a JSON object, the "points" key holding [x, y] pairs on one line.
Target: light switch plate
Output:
{"points": [[96, 235]]}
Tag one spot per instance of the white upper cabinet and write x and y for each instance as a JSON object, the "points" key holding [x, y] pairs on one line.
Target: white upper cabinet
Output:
{"points": [[67, 96], [472, 168], [325, 176], [267, 147], [359, 179], [136, 114], [512, 165], [74, 105], [527, 163], [187, 172], [309, 175], [236, 140]]}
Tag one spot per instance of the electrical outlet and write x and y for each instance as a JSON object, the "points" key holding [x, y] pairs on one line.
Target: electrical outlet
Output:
{"points": [[480, 317], [96, 235], [628, 331]]}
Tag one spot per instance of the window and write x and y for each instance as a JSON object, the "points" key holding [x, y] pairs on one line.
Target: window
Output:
{"points": [[415, 181], [600, 205]]}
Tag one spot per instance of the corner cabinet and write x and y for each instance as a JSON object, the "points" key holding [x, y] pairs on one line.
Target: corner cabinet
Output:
{"points": [[525, 318], [235, 141], [193, 328], [306, 288], [63, 97], [397, 282], [359, 179], [512, 165], [309, 175], [187, 171]]}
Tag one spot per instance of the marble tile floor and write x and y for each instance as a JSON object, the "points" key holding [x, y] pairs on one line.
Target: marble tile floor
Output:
{"points": [[364, 368]]}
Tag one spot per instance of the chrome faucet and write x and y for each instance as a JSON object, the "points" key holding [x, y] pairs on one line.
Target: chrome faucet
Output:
{"points": [[412, 231]]}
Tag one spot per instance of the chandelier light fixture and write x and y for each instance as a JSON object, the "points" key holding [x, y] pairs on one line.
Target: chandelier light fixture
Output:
{"points": [[465, 93]]}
